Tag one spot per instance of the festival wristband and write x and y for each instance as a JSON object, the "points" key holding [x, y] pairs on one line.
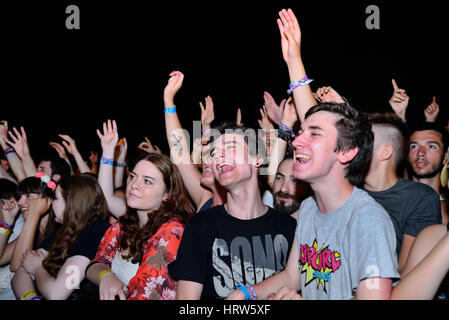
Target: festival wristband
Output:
{"points": [[27, 294], [120, 165], [301, 83], [102, 273], [4, 231], [107, 161], [170, 110], [9, 155], [253, 292], [245, 291]]}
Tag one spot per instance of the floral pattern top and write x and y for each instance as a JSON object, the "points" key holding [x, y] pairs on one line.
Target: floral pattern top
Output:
{"points": [[152, 281]]}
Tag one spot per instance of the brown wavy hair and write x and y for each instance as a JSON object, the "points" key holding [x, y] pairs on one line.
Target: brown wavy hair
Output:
{"points": [[177, 205], [85, 205]]}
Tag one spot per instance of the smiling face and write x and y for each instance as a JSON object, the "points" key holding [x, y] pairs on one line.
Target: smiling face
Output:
{"points": [[426, 153], [24, 203], [231, 160], [314, 147], [145, 190]]}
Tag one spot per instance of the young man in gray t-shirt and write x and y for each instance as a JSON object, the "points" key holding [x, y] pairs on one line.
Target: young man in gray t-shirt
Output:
{"points": [[345, 244]]}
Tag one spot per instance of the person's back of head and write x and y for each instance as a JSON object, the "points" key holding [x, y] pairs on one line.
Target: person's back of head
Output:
{"points": [[354, 131], [389, 129]]}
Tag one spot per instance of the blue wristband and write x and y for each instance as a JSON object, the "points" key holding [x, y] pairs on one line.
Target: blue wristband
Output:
{"points": [[107, 161], [170, 110], [245, 291], [120, 165]]}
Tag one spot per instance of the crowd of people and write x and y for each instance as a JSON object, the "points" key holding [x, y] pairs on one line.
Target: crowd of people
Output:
{"points": [[323, 202]]}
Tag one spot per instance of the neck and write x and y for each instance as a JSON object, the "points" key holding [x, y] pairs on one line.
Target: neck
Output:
{"points": [[218, 195], [331, 196], [143, 218], [381, 179], [245, 203], [433, 182]]}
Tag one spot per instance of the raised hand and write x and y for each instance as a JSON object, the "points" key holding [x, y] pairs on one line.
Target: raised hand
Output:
{"points": [[273, 111], [172, 87], [60, 150], [148, 147], [289, 114], [265, 123], [3, 131], [19, 142], [207, 113], [432, 110], [328, 94], [290, 35], [399, 100], [9, 211], [109, 138]]}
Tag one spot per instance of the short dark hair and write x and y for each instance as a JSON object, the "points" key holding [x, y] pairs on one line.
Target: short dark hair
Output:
{"points": [[424, 125], [354, 130], [400, 136], [255, 142]]}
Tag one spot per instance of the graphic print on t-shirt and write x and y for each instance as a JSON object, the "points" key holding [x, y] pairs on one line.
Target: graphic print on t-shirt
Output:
{"points": [[250, 261], [318, 264]]}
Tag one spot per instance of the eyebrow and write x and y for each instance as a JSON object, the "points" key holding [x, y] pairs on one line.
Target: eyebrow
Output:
{"points": [[430, 141], [148, 177], [315, 128]]}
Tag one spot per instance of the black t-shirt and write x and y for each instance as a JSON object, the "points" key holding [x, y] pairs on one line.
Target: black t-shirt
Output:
{"points": [[220, 251], [412, 206], [87, 243]]}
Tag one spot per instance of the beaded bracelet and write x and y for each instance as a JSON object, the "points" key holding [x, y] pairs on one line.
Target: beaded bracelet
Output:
{"points": [[5, 225], [4, 231], [285, 133], [301, 83]]}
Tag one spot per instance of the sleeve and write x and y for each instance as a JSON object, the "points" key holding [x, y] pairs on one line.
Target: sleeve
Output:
{"points": [[152, 280], [372, 242], [108, 245], [425, 212], [88, 242], [191, 259]]}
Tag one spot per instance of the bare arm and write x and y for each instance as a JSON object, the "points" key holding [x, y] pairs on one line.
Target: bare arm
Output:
{"points": [[70, 145], [109, 139], [189, 290], [179, 147], [290, 43]]}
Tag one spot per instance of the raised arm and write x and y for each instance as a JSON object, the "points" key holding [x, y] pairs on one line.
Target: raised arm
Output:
{"points": [[14, 161], [19, 141], [109, 139], [8, 214], [179, 146], [62, 154], [70, 145], [291, 51]]}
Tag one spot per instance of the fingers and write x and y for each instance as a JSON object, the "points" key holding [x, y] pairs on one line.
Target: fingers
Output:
{"points": [[395, 85]]}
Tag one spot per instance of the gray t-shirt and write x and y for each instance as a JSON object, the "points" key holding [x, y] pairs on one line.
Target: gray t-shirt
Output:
{"points": [[412, 206], [339, 249]]}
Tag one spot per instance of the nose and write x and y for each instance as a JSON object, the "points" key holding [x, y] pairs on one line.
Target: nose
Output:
{"points": [[285, 187], [421, 151]]}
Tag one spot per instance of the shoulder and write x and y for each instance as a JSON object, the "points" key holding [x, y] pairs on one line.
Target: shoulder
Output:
{"points": [[366, 210], [204, 217], [417, 189]]}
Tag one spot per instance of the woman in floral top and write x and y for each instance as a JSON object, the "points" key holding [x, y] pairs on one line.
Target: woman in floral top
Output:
{"points": [[132, 258]]}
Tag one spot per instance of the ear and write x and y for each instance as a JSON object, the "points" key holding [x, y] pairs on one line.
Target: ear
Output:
{"points": [[345, 157], [258, 161], [445, 158], [386, 151], [165, 197]]}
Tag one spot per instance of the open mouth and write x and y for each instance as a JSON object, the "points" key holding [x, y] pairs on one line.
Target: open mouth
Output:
{"points": [[225, 168], [421, 164], [302, 158]]}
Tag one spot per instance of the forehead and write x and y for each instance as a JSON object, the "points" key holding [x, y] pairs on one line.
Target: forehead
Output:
{"points": [[44, 164], [426, 136], [322, 119], [147, 168], [286, 167], [229, 138]]}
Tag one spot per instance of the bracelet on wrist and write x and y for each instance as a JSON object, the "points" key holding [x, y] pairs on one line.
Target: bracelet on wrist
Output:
{"points": [[301, 83], [170, 109], [120, 164], [10, 155], [102, 273], [5, 225], [27, 294], [107, 161]]}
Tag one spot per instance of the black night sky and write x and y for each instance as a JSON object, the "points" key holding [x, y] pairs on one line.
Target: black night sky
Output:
{"points": [[116, 66]]}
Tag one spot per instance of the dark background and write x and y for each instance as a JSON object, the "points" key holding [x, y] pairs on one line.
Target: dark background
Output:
{"points": [[116, 66]]}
